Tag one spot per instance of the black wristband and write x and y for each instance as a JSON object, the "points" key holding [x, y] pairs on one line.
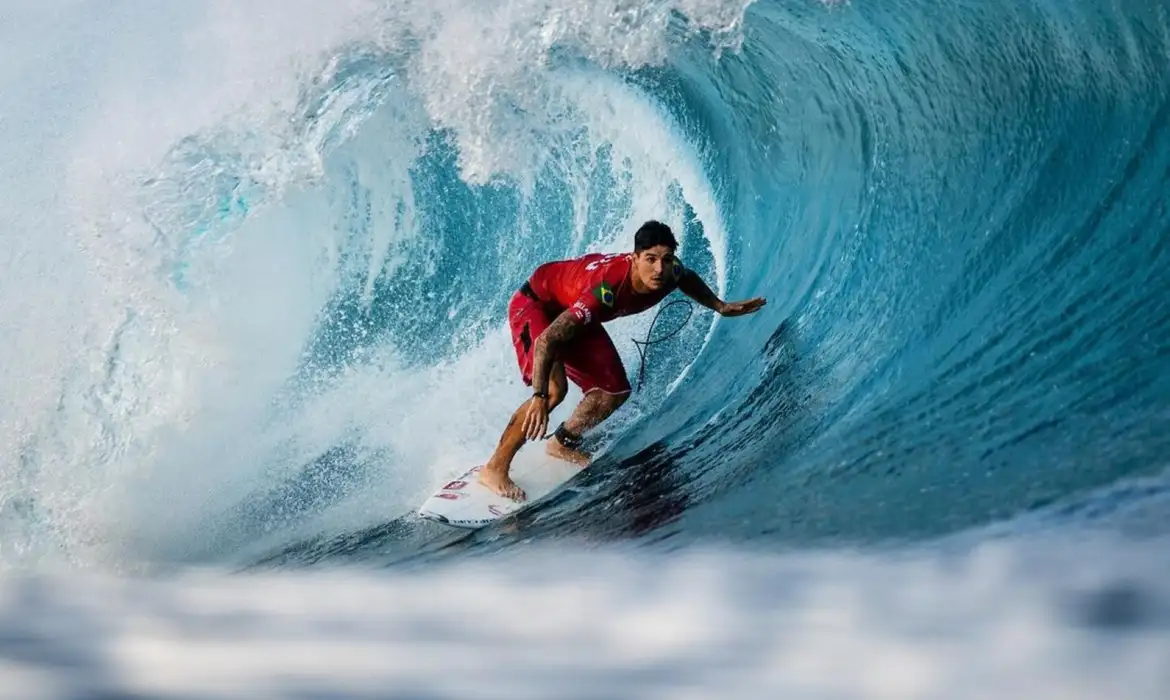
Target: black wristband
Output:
{"points": [[540, 394]]}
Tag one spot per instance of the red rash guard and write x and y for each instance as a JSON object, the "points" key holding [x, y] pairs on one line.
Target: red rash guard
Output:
{"points": [[595, 288]]}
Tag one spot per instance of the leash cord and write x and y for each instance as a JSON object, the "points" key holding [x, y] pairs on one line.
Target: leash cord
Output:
{"points": [[644, 345]]}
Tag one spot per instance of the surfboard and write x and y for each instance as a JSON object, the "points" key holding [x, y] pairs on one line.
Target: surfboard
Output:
{"points": [[466, 503]]}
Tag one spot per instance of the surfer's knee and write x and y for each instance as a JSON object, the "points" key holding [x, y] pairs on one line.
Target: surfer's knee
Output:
{"points": [[599, 405], [558, 386], [556, 394], [611, 402]]}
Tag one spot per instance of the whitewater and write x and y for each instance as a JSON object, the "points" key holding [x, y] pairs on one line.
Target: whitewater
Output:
{"points": [[254, 266]]}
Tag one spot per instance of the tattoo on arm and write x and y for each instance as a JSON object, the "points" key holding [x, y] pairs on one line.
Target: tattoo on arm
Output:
{"points": [[693, 286], [560, 331]]}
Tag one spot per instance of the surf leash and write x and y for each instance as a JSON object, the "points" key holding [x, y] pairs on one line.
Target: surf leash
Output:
{"points": [[644, 345]]}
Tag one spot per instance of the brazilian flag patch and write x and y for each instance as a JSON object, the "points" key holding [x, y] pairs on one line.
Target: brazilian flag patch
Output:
{"points": [[676, 269], [604, 294]]}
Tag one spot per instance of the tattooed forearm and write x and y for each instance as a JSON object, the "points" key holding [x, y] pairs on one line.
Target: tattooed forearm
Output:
{"points": [[559, 332], [693, 286]]}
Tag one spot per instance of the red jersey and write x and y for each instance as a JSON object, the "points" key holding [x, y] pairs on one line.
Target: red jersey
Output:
{"points": [[596, 287]]}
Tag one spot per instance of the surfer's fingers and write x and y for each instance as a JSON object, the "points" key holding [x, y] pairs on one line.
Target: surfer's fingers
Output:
{"points": [[532, 421]]}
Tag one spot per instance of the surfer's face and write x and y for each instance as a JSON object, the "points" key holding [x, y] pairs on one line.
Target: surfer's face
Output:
{"points": [[654, 266]]}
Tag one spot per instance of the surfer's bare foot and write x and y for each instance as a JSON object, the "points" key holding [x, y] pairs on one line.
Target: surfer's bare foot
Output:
{"points": [[556, 449], [498, 481]]}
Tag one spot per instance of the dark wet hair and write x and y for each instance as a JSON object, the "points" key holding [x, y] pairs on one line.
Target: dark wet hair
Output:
{"points": [[654, 233]]}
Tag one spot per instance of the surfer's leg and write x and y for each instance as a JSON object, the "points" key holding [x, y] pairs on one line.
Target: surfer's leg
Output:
{"points": [[494, 475], [597, 405], [593, 363], [527, 320]]}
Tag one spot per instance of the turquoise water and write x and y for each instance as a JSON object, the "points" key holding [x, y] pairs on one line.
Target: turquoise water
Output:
{"points": [[255, 263], [959, 219], [288, 256]]}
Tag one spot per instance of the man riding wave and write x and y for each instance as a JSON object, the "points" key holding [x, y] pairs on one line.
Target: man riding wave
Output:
{"points": [[556, 319]]}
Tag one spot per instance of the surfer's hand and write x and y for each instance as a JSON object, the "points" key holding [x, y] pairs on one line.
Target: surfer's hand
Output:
{"points": [[742, 308], [536, 419]]}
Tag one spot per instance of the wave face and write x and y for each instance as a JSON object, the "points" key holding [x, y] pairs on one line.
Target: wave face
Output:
{"points": [[257, 263]]}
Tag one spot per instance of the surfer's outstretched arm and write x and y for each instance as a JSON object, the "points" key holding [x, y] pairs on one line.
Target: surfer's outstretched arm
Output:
{"points": [[694, 287]]}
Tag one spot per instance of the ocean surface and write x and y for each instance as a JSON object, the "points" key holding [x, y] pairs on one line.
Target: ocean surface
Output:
{"points": [[255, 260]]}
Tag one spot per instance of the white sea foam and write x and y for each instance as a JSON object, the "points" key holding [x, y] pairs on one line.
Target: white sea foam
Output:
{"points": [[171, 233], [1063, 619]]}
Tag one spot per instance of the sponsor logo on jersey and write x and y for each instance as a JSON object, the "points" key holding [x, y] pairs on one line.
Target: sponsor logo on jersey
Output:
{"points": [[605, 260], [581, 312]]}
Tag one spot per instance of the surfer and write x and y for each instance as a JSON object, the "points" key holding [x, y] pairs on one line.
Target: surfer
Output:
{"points": [[556, 319]]}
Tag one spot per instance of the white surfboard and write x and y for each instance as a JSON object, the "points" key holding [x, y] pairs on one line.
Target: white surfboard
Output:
{"points": [[465, 502]]}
